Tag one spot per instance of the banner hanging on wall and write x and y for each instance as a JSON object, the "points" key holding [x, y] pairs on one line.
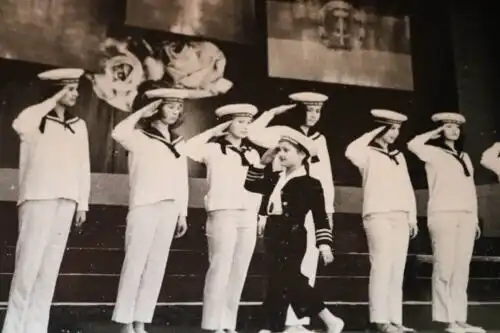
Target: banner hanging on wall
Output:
{"points": [[336, 42]]}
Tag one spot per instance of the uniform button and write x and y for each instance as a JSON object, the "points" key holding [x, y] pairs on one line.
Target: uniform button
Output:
{"points": [[285, 203]]}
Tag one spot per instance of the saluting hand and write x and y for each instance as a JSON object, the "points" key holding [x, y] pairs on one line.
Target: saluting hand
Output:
{"points": [[80, 218], [221, 128], [269, 156], [61, 93], [282, 109], [326, 254], [437, 132], [150, 109], [181, 227]]}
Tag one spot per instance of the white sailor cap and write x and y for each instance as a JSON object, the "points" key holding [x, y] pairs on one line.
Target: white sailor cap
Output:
{"points": [[168, 94], [308, 98], [388, 116], [448, 117], [242, 110], [270, 137], [62, 75]]}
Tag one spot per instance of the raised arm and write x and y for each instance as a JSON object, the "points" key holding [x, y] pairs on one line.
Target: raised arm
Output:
{"points": [[85, 174], [28, 121], [260, 176], [267, 116], [418, 145], [357, 151], [195, 147], [126, 133], [490, 159]]}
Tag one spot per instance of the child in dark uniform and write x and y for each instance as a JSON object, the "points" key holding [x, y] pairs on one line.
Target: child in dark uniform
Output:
{"points": [[292, 194]]}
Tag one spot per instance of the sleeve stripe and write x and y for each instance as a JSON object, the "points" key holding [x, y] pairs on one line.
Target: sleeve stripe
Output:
{"points": [[324, 237]]}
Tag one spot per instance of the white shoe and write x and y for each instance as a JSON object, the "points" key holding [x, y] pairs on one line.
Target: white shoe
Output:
{"points": [[454, 328], [386, 328], [338, 326], [403, 329], [471, 329]]}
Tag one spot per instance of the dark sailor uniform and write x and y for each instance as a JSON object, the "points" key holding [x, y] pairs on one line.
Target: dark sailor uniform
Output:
{"points": [[286, 242]]}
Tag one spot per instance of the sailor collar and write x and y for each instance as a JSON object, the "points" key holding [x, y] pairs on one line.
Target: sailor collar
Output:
{"points": [[224, 144], [458, 155], [153, 133], [68, 120], [392, 154], [314, 135]]}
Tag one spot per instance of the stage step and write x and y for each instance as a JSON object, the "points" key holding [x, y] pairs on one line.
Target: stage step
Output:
{"points": [[106, 228], [187, 318], [189, 288], [195, 262]]}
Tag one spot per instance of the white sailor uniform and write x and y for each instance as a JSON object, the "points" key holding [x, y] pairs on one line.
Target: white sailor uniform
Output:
{"points": [[452, 221], [54, 181], [389, 207], [231, 226], [158, 177]]}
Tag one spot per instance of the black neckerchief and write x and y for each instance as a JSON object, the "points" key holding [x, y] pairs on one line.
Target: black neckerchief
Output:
{"points": [[66, 122], [225, 144], [391, 153], [458, 155], [312, 134], [155, 134]]}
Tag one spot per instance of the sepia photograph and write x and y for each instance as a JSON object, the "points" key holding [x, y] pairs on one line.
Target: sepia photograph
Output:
{"points": [[336, 41], [159, 172]]}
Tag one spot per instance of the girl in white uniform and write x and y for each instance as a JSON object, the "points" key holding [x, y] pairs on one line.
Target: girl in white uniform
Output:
{"points": [[54, 182], [389, 217], [232, 212], [158, 201], [309, 105], [452, 218]]}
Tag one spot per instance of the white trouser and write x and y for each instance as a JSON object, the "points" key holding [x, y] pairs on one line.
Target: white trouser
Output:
{"points": [[149, 233], [44, 227], [231, 236], [308, 268], [388, 236], [453, 236]]}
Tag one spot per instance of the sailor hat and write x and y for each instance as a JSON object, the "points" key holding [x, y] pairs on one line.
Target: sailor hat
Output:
{"points": [[168, 94], [62, 75], [388, 116], [269, 137], [242, 110], [448, 117], [310, 98]]}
